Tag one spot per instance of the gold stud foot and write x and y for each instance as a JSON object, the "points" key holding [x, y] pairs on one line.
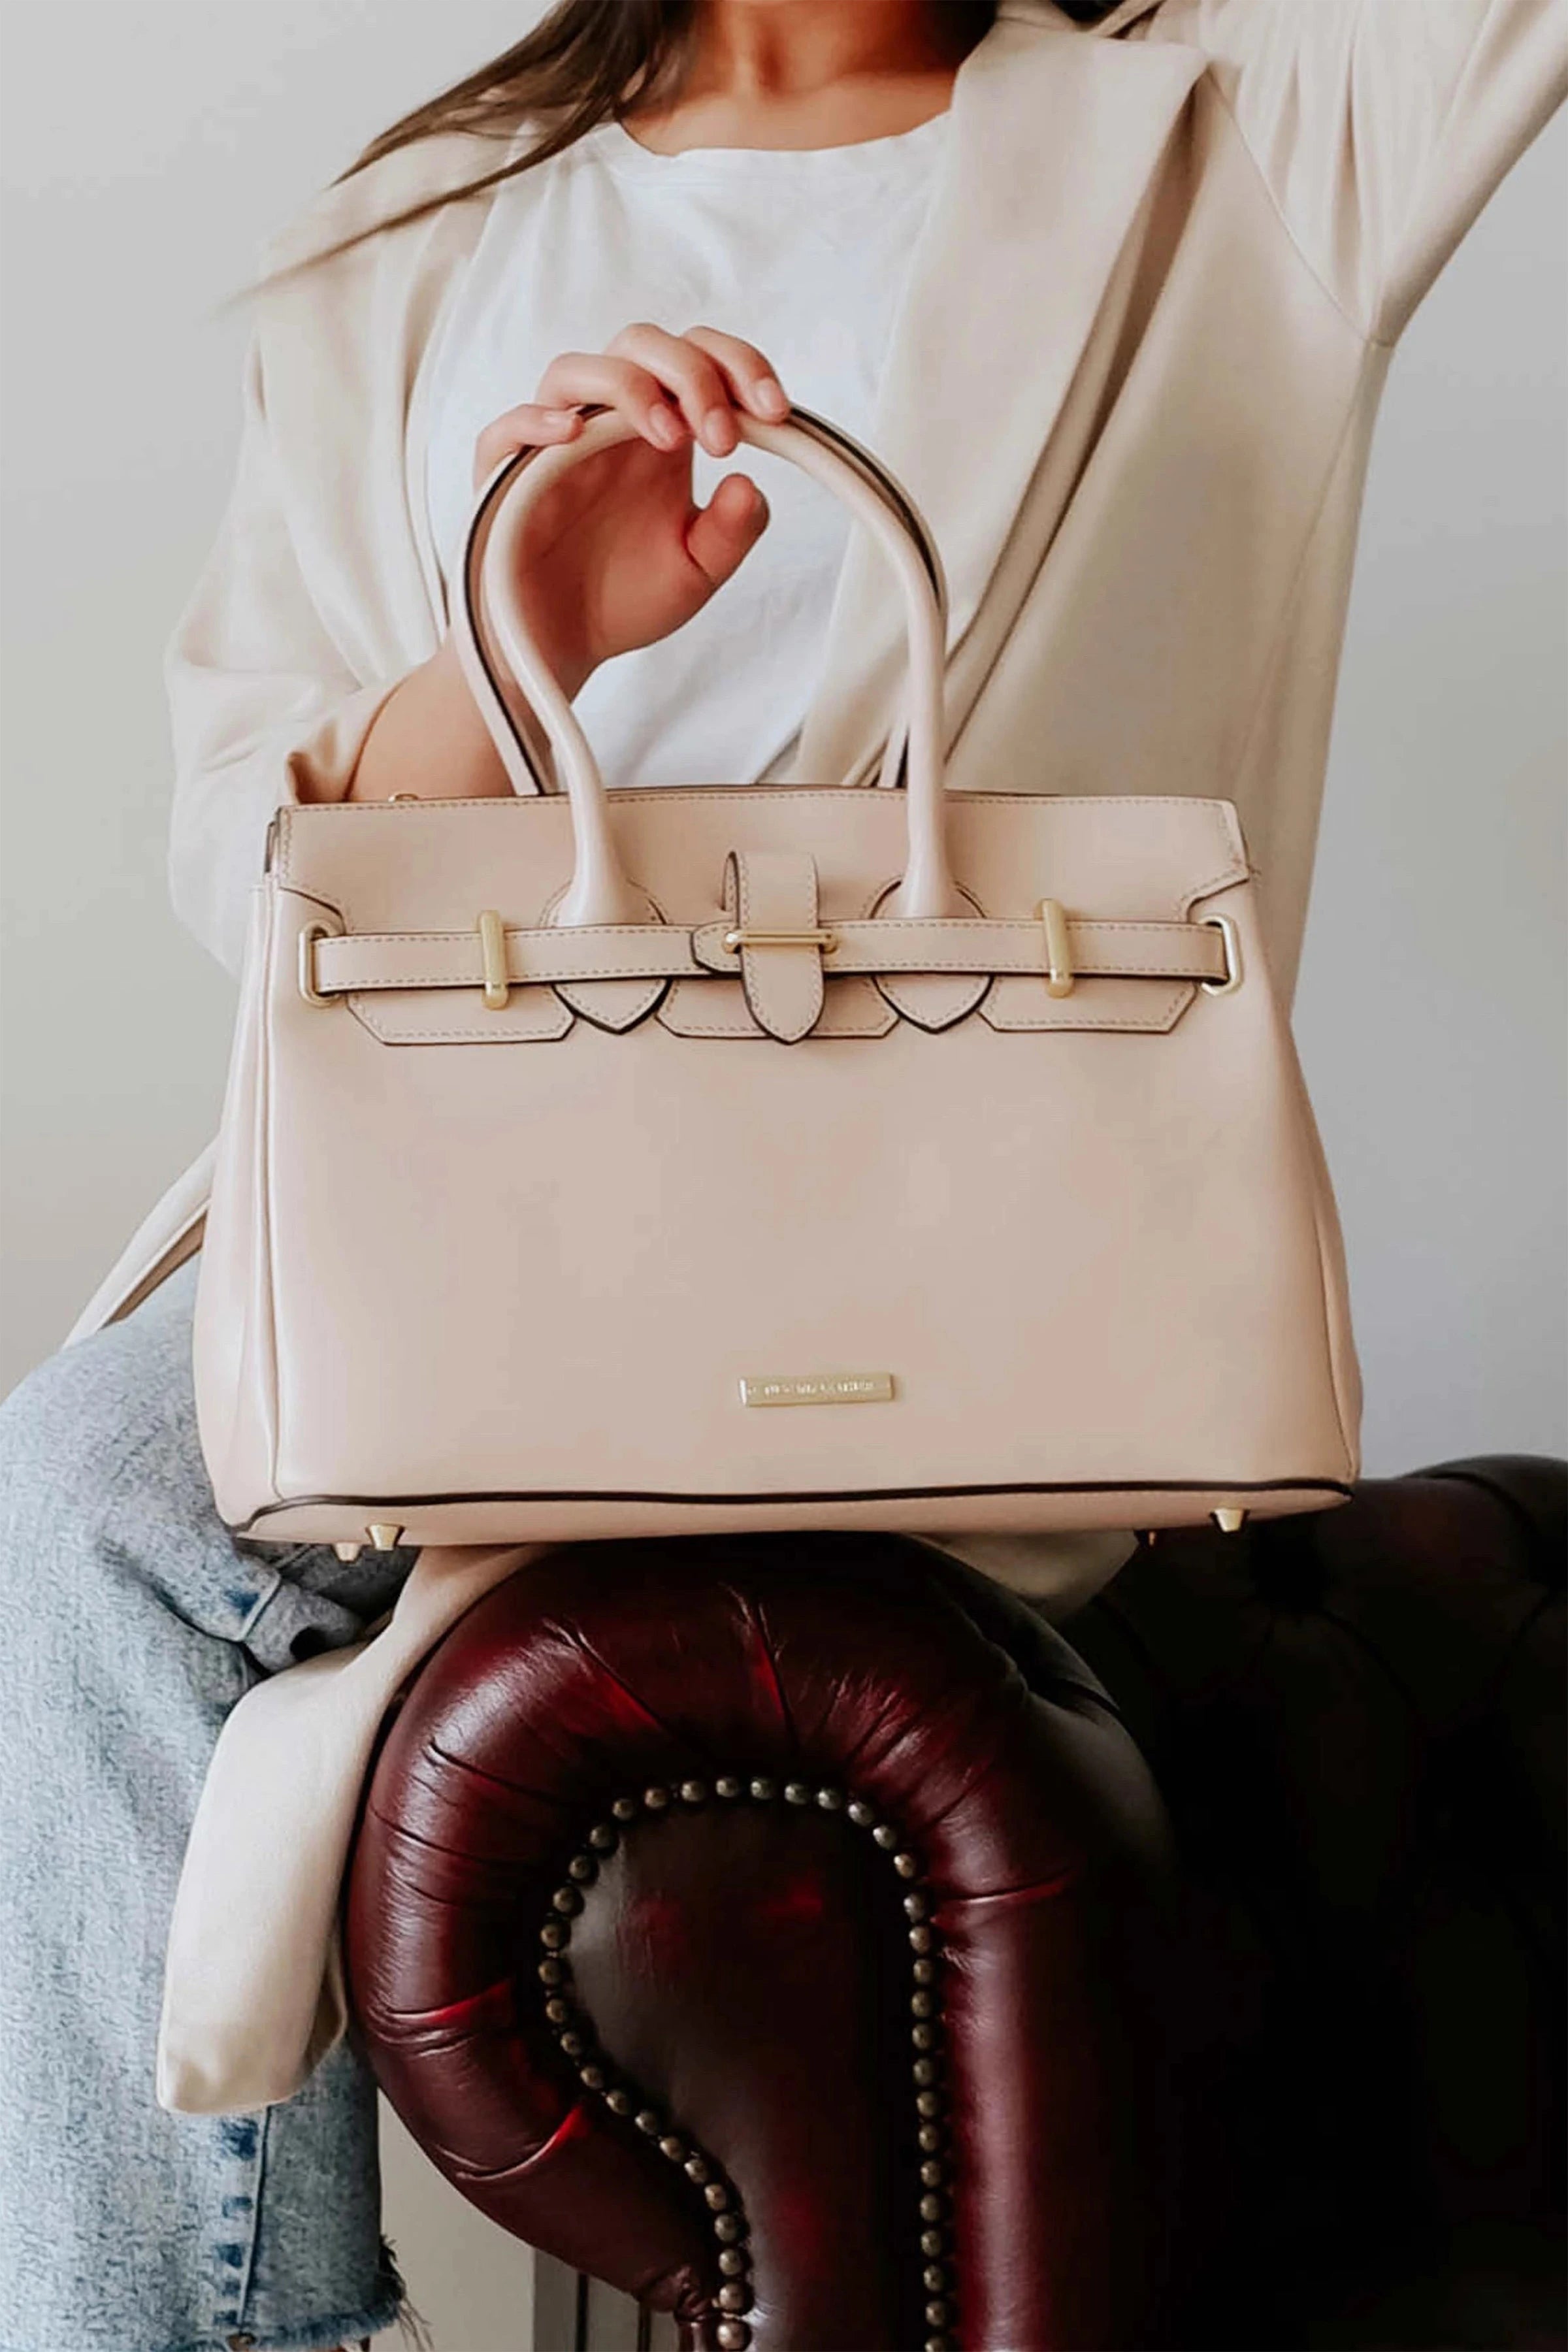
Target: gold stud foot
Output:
{"points": [[382, 1535], [1229, 1522], [348, 1551]]}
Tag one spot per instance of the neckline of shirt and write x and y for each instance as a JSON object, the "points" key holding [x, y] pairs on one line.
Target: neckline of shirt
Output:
{"points": [[623, 153]]}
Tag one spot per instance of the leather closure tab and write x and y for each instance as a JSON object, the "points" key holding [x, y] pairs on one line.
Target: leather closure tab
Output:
{"points": [[770, 895]]}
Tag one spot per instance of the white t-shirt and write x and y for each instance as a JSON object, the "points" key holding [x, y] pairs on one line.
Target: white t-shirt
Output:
{"points": [[803, 253]]}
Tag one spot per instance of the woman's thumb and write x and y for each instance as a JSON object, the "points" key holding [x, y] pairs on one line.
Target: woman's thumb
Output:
{"points": [[722, 533]]}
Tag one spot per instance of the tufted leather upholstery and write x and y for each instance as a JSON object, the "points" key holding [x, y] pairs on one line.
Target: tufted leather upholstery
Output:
{"points": [[1285, 2076]]}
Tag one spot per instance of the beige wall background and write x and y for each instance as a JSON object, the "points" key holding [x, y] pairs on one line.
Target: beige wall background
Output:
{"points": [[145, 153]]}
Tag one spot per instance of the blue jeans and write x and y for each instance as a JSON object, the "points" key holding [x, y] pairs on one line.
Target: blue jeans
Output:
{"points": [[130, 1624]]}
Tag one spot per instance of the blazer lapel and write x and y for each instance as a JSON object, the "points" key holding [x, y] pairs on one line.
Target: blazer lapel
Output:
{"points": [[1053, 138]]}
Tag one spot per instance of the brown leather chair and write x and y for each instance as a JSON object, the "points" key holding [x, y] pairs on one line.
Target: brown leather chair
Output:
{"points": [[799, 1935]]}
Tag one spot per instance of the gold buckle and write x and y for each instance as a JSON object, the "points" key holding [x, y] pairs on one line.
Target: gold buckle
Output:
{"points": [[492, 953], [1060, 977], [1226, 925], [307, 964], [826, 940]]}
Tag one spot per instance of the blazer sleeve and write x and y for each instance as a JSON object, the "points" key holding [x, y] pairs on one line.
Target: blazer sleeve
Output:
{"points": [[264, 705], [1380, 127]]}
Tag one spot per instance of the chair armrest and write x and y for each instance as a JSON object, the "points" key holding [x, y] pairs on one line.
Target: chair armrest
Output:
{"points": [[851, 1909]]}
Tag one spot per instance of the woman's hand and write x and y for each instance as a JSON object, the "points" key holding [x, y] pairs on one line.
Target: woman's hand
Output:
{"points": [[615, 554]]}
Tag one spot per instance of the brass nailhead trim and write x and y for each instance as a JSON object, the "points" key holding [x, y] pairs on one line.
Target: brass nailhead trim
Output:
{"points": [[571, 2030]]}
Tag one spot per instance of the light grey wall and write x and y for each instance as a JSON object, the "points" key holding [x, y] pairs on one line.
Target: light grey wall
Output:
{"points": [[1431, 1006], [1431, 1009]]}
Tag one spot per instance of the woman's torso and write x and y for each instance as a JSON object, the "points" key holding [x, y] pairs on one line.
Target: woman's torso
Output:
{"points": [[803, 253]]}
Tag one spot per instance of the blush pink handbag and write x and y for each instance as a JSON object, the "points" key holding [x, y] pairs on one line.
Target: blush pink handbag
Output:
{"points": [[604, 1163]]}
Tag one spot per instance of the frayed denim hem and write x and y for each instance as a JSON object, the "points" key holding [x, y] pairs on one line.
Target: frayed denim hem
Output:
{"points": [[316, 2336]]}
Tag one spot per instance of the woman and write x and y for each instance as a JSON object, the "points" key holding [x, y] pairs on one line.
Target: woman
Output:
{"points": [[1115, 298]]}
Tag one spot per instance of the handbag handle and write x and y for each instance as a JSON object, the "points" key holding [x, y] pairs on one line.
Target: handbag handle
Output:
{"points": [[601, 891]]}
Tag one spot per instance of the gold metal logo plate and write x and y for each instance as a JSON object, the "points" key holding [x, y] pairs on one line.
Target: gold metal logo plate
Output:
{"points": [[817, 1388]]}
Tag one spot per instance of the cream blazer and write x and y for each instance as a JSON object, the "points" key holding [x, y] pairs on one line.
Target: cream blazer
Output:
{"points": [[1131, 386]]}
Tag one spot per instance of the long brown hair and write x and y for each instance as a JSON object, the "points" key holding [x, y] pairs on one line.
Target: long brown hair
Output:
{"points": [[587, 62]]}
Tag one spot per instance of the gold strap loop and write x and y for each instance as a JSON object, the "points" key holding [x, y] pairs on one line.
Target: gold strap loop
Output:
{"points": [[492, 954], [826, 940], [1060, 973]]}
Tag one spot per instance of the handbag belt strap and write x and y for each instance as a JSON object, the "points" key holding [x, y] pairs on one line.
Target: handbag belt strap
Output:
{"points": [[349, 963]]}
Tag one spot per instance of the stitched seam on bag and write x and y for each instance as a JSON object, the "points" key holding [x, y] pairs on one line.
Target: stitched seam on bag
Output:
{"points": [[1152, 1022], [1310, 1483], [492, 1034], [472, 1036], [520, 930], [707, 794], [751, 1028], [968, 925], [631, 1017]]}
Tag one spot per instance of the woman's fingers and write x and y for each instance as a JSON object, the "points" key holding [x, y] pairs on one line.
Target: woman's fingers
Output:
{"points": [[747, 370], [665, 385], [689, 374], [723, 533], [612, 380], [532, 426], [670, 386]]}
